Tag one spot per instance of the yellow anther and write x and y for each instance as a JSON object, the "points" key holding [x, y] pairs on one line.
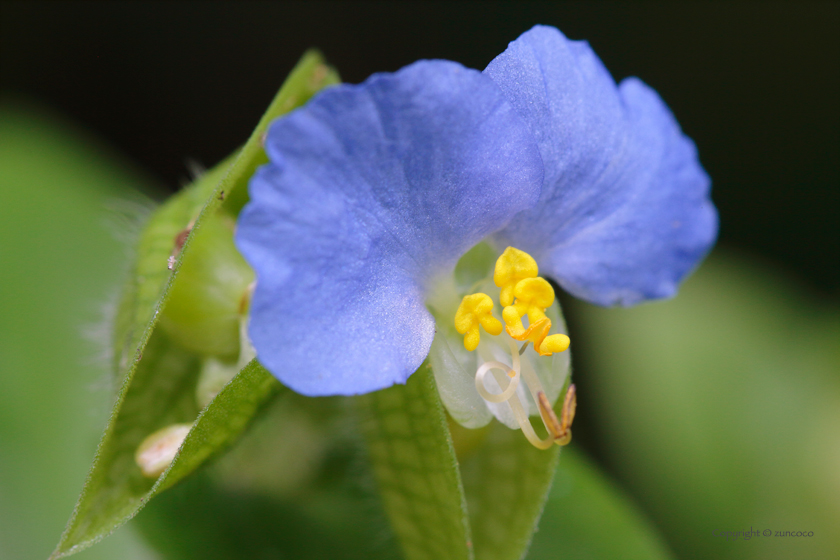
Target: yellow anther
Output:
{"points": [[511, 267], [533, 296], [475, 310], [552, 344], [537, 334], [513, 321]]}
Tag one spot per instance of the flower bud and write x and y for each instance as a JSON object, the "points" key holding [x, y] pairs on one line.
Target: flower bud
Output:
{"points": [[157, 451], [203, 310]]}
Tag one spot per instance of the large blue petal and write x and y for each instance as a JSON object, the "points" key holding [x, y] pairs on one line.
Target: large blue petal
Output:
{"points": [[624, 212], [371, 190]]}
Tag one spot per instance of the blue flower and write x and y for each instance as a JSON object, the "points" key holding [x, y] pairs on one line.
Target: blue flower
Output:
{"points": [[624, 212], [374, 191]]}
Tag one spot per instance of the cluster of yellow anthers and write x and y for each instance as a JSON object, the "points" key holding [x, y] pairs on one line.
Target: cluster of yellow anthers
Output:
{"points": [[522, 293]]}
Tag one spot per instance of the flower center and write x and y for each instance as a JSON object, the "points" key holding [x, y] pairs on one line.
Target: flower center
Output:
{"points": [[523, 294]]}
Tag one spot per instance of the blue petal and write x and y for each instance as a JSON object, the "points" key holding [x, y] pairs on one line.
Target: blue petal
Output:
{"points": [[624, 212], [371, 190]]}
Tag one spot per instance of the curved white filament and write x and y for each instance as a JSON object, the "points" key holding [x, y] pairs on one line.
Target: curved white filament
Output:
{"points": [[525, 424], [502, 372], [513, 382]]}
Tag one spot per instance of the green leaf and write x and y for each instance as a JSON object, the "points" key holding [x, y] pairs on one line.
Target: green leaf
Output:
{"points": [[151, 278], [295, 486], [159, 376], [309, 77], [159, 395], [506, 480], [222, 421], [587, 518], [415, 466], [150, 285]]}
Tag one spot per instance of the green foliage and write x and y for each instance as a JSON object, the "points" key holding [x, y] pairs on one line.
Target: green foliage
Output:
{"points": [[491, 515], [416, 469], [159, 375], [720, 412], [204, 306], [295, 486], [587, 517], [507, 481], [58, 266], [222, 421], [159, 395], [151, 277], [303, 482]]}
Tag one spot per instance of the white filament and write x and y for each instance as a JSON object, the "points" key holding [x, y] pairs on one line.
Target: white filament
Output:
{"points": [[501, 373], [512, 382]]}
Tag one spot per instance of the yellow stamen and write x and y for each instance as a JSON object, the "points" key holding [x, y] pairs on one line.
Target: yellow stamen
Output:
{"points": [[523, 293], [475, 310], [553, 343], [533, 297], [535, 333], [512, 267]]}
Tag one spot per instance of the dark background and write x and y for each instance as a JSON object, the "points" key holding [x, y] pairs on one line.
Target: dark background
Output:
{"points": [[756, 85]]}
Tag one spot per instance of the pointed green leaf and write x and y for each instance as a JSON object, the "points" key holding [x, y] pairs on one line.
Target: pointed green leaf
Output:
{"points": [[310, 76], [294, 486], [159, 377], [150, 285], [416, 469], [506, 480], [155, 400], [222, 421], [150, 280], [115, 489]]}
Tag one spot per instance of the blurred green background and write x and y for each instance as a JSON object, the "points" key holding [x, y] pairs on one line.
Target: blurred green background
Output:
{"points": [[716, 411]]}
